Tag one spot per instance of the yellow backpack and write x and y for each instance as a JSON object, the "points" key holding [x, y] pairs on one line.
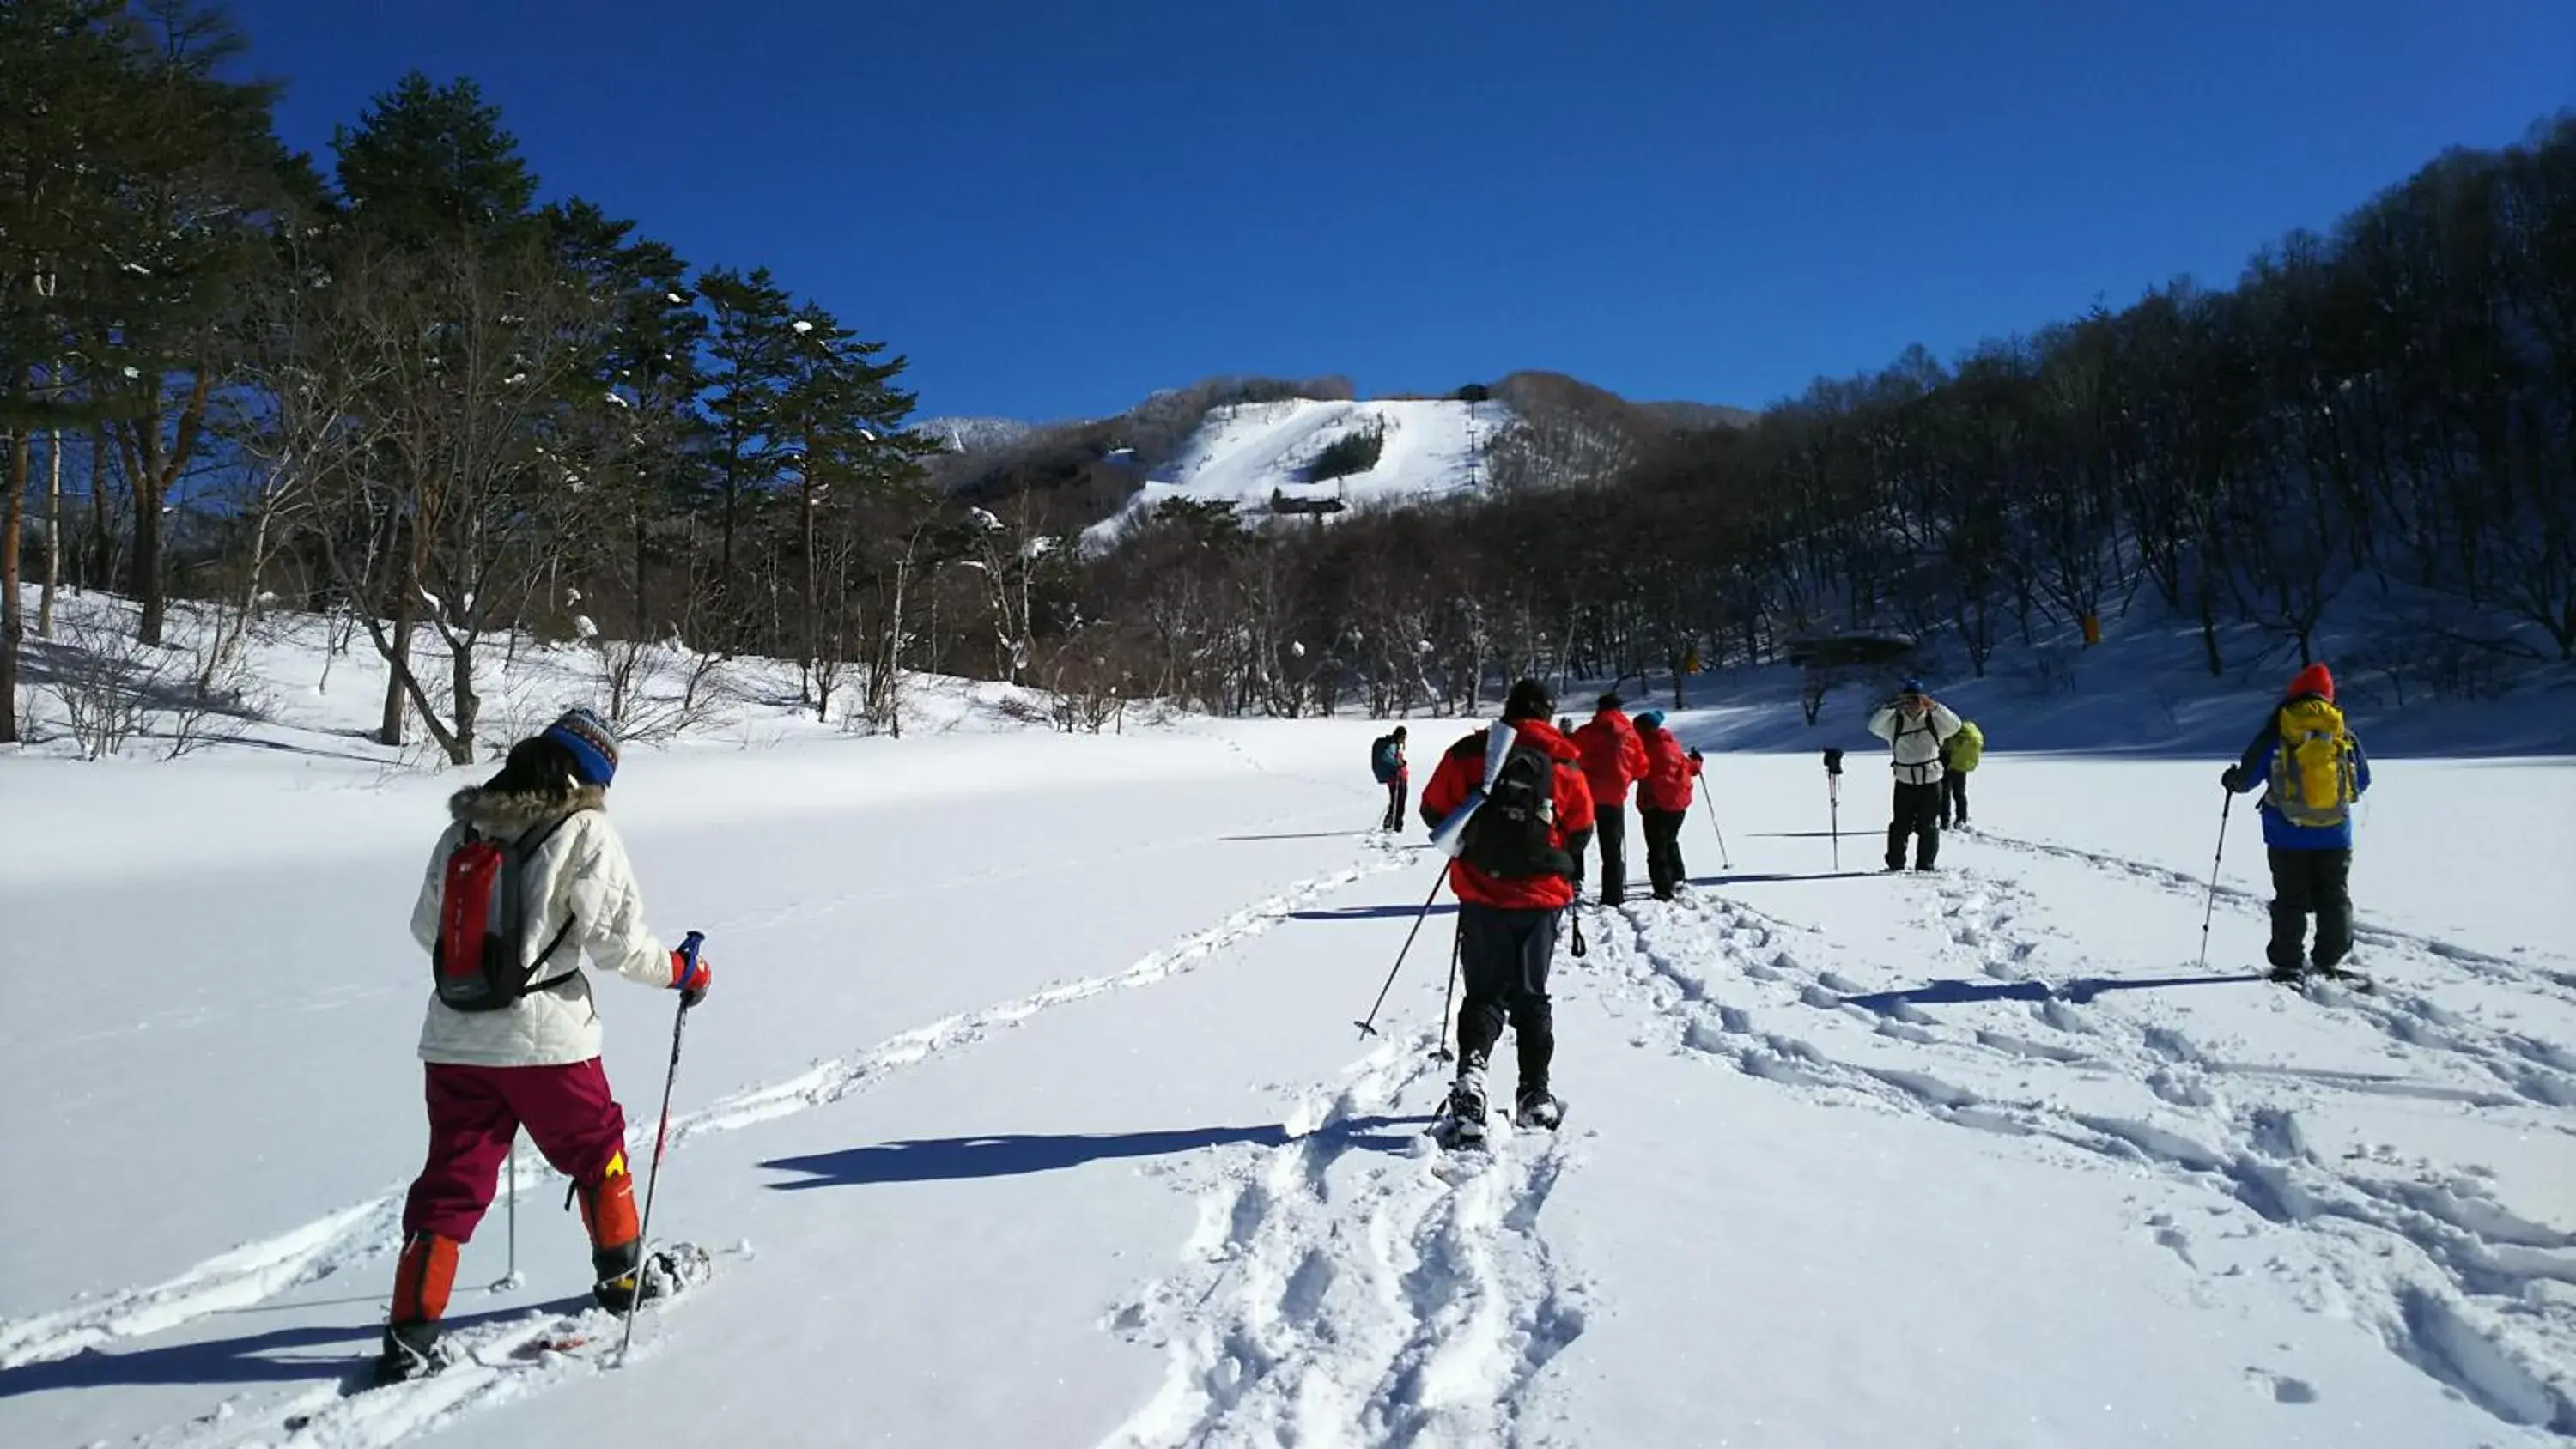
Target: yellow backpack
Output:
{"points": [[2312, 781]]}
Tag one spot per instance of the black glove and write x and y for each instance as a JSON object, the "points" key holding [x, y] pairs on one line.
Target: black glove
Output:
{"points": [[2233, 777]]}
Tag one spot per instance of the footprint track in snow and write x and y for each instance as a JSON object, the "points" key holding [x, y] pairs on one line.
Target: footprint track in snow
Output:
{"points": [[2454, 1283], [1383, 1293]]}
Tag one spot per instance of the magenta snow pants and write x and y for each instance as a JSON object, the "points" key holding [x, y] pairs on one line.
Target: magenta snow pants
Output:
{"points": [[475, 1113]]}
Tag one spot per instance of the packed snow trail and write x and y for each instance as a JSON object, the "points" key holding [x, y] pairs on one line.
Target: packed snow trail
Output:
{"points": [[360, 1233], [2456, 1283], [1357, 1283]]}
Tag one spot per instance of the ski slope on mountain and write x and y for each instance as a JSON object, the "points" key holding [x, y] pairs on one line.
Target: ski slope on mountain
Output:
{"points": [[1027, 1111], [1244, 452]]}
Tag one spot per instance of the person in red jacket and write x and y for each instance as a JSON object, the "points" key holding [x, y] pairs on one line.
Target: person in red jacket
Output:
{"points": [[1514, 878], [1613, 759], [1664, 801]]}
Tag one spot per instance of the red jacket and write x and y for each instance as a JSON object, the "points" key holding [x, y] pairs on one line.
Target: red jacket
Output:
{"points": [[1462, 770], [1613, 757], [1669, 772]]}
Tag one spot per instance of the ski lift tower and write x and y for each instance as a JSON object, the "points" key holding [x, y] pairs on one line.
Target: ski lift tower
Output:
{"points": [[1472, 394]]}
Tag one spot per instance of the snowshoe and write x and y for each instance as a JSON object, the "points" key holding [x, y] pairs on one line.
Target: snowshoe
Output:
{"points": [[2289, 975], [2340, 976], [410, 1351], [664, 1273], [1462, 1117], [1538, 1109]]}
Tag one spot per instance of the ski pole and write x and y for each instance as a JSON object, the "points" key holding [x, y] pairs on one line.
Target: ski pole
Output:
{"points": [[653, 1177], [2212, 912], [1368, 1026], [1834, 802], [512, 1277], [1457, 948], [1724, 860]]}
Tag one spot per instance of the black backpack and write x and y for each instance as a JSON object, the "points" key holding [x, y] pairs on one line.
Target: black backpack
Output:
{"points": [[482, 906], [1513, 834]]}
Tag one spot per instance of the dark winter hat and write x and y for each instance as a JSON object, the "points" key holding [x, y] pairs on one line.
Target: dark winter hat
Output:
{"points": [[1529, 699], [592, 742], [1911, 685], [1399, 732], [2316, 679], [1608, 701], [1652, 719]]}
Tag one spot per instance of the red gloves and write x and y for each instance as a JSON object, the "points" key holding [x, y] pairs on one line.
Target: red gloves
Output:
{"points": [[691, 974]]}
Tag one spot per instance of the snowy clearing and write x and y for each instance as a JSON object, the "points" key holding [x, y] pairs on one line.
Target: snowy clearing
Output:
{"points": [[1027, 1111]]}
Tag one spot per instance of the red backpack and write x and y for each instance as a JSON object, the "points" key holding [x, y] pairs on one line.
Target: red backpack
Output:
{"points": [[481, 916]]}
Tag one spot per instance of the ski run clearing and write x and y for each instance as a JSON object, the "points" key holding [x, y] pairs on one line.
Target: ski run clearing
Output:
{"points": [[1244, 452], [1027, 1111]]}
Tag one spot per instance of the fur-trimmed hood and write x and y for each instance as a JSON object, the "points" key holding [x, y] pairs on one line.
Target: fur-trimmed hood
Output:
{"points": [[512, 813]]}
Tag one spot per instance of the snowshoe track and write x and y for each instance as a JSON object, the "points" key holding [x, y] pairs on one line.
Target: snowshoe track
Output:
{"points": [[355, 1236], [2454, 1282], [1359, 1285]]}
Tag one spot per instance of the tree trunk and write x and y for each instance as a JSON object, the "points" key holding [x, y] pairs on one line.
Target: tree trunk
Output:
{"points": [[469, 705], [397, 652], [53, 534], [153, 475], [99, 572], [12, 623]]}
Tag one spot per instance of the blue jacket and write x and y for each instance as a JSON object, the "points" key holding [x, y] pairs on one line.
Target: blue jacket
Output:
{"points": [[2254, 772]]}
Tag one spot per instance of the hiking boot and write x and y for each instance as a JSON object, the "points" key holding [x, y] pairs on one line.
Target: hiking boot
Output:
{"points": [[1537, 1107], [2289, 975], [1465, 1108], [411, 1350]]}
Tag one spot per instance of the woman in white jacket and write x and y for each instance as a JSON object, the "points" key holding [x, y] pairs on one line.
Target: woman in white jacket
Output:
{"points": [[1915, 726], [533, 1061]]}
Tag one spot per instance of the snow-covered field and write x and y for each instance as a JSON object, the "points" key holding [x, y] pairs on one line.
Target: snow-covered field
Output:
{"points": [[1027, 1111], [1244, 451]]}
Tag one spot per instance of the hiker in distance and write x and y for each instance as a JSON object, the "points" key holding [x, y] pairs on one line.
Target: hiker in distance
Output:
{"points": [[1613, 759], [527, 880], [1915, 726], [1514, 878], [1960, 754], [1664, 802], [1386, 761], [2311, 771]]}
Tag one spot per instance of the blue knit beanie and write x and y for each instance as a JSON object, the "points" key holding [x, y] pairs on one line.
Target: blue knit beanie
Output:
{"points": [[592, 742], [1652, 719]]}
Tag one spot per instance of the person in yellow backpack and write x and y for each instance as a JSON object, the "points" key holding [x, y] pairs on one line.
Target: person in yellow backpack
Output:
{"points": [[1959, 755], [2311, 771]]}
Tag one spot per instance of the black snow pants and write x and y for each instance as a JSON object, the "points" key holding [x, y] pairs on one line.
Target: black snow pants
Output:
{"points": [[1610, 828], [1503, 957], [2304, 883], [1917, 813], [1395, 793], [1664, 869], [1954, 799]]}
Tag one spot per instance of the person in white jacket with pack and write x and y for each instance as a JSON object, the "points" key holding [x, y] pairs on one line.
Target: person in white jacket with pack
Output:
{"points": [[528, 880], [1915, 726]]}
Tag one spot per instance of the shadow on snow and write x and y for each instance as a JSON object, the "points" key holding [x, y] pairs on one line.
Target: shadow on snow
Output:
{"points": [[252, 1358], [947, 1159], [2080, 990]]}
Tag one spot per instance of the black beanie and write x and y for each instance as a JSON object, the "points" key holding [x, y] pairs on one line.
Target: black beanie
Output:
{"points": [[1529, 699], [1608, 701]]}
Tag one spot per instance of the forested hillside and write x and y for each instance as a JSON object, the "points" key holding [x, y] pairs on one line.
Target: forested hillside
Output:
{"points": [[409, 387]]}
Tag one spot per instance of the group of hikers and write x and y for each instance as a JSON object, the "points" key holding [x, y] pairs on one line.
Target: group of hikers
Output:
{"points": [[1513, 892], [529, 880]]}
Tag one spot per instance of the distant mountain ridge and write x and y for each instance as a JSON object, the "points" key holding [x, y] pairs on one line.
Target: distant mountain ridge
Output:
{"points": [[1259, 444]]}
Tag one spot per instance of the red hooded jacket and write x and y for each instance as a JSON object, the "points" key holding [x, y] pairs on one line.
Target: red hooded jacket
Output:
{"points": [[1462, 770], [1669, 771], [1613, 757]]}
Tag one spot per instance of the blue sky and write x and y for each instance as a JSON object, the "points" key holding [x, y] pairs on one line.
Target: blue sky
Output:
{"points": [[1055, 208]]}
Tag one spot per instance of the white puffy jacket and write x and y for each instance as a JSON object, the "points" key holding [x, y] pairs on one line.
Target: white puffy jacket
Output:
{"points": [[1917, 740], [580, 873]]}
